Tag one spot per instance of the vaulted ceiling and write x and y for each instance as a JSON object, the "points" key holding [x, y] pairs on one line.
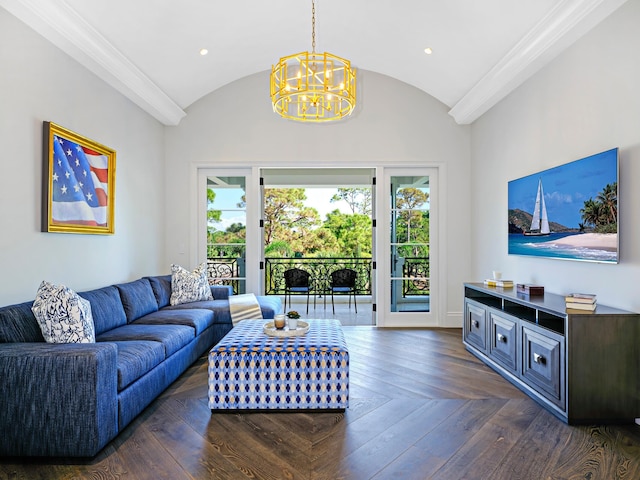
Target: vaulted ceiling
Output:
{"points": [[150, 49]]}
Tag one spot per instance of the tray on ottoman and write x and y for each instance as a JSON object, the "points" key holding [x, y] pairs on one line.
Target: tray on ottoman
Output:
{"points": [[251, 370], [270, 329]]}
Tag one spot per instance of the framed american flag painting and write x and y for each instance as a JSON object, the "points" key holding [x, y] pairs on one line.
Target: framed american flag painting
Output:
{"points": [[78, 183]]}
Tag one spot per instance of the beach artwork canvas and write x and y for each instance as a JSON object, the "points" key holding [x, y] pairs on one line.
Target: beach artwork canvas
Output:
{"points": [[568, 212]]}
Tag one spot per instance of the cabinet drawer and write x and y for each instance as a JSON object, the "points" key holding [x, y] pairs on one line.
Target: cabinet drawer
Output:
{"points": [[543, 364], [475, 331], [503, 340]]}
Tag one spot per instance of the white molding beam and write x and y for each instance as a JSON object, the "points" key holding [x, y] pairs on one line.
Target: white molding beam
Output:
{"points": [[64, 27], [567, 22], [61, 25]]}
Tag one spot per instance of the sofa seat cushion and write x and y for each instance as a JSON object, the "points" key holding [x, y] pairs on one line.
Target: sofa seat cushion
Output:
{"points": [[137, 298], [173, 337], [199, 319], [136, 358], [220, 309]]}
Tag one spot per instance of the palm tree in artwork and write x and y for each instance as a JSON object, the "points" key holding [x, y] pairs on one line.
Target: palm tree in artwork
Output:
{"points": [[602, 213], [608, 197], [590, 212]]}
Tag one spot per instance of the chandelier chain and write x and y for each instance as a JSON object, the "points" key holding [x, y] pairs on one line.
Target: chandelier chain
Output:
{"points": [[313, 26]]}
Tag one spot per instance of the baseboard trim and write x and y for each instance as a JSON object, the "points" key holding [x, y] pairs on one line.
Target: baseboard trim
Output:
{"points": [[452, 320]]}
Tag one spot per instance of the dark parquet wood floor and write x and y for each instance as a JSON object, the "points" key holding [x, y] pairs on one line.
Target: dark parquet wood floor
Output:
{"points": [[421, 407]]}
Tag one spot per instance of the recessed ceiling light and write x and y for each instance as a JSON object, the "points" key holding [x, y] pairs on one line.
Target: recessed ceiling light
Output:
{"points": [[428, 51], [203, 51]]}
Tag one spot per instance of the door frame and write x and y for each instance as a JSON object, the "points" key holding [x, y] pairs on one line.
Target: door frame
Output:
{"points": [[386, 317], [253, 233], [356, 175], [436, 317]]}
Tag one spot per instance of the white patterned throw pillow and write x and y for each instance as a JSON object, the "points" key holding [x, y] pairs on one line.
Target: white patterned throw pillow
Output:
{"points": [[189, 286], [63, 315]]}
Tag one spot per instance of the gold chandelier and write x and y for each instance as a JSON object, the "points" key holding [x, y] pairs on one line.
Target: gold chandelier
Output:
{"points": [[313, 87]]}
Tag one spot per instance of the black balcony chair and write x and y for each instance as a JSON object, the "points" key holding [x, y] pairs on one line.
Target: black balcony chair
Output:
{"points": [[297, 280], [344, 281]]}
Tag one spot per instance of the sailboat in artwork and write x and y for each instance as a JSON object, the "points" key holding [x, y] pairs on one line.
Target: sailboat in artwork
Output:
{"points": [[540, 221]]}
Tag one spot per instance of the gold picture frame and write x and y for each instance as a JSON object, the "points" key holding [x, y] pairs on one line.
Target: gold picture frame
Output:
{"points": [[79, 174]]}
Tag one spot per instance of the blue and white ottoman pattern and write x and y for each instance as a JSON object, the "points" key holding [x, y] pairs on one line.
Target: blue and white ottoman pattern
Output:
{"points": [[251, 370]]}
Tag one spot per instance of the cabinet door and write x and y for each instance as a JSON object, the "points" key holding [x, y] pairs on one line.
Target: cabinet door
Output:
{"points": [[503, 339], [543, 363], [475, 332]]}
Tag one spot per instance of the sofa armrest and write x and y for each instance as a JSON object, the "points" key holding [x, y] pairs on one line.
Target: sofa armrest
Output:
{"points": [[221, 292], [57, 399]]}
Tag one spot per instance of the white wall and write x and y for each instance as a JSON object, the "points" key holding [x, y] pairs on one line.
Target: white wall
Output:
{"points": [[394, 124], [584, 102], [38, 82]]}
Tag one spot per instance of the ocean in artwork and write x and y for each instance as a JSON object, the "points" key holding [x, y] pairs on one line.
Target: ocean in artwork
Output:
{"points": [[545, 246]]}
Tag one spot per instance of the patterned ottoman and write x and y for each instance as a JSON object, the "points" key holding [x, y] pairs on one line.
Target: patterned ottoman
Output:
{"points": [[251, 370]]}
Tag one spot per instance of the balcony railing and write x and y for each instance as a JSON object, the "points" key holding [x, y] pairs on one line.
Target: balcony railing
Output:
{"points": [[320, 270], [226, 271], [231, 271], [415, 271]]}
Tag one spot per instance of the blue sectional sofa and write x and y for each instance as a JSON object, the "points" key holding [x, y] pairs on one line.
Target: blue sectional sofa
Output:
{"points": [[71, 399]]}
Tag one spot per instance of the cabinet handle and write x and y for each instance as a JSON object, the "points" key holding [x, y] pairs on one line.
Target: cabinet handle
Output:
{"points": [[475, 323], [539, 359], [502, 338]]}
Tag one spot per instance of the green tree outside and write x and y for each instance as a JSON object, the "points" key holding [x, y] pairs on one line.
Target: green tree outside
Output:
{"points": [[412, 225], [291, 228], [358, 199], [352, 232]]}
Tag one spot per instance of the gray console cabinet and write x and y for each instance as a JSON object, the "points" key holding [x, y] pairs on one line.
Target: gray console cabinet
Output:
{"points": [[582, 367]]}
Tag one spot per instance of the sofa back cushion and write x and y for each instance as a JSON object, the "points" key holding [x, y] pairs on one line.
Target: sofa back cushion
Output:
{"points": [[221, 292], [18, 324], [137, 299], [106, 307], [161, 286]]}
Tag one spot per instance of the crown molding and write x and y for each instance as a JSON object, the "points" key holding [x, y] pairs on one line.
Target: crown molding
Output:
{"points": [[562, 26], [56, 21], [61, 25]]}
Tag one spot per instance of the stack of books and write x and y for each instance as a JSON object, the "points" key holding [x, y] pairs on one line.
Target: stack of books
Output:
{"points": [[580, 301], [489, 282]]}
